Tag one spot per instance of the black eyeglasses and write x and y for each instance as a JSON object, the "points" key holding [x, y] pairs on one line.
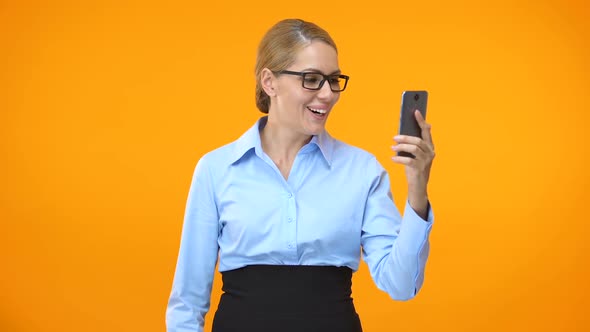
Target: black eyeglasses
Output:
{"points": [[315, 81]]}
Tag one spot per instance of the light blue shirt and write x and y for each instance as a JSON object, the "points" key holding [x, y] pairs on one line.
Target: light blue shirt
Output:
{"points": [[336, 201]]}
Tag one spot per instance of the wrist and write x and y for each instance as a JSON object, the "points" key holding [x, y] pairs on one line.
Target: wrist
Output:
{"points": [[419, 203]]}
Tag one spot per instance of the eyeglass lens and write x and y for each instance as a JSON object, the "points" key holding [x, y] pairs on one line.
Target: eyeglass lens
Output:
{"points": [[314, 80]]}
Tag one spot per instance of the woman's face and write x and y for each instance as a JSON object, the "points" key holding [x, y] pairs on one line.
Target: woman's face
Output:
{"points": [[299, 109]]}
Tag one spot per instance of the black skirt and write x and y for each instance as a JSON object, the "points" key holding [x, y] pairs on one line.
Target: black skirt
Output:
{"points": [[287, 298]]}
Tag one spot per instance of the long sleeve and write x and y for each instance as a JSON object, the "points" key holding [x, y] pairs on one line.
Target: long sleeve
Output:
{"points": [[395, 248], [191, 290]]}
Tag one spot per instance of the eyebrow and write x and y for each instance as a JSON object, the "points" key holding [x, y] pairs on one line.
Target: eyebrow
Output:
{"points": [[314, 70]]}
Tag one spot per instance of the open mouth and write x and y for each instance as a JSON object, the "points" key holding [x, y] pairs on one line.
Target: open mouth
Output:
{"points": [[319, 112]]}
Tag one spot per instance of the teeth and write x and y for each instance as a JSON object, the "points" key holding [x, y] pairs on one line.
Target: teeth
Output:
{"points": [[317, 110]]}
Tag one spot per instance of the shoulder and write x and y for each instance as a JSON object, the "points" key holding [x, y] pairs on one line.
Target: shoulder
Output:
{"points": [[217, 162], [354, 162], [217, 159], [358, 166], [346, 153]]}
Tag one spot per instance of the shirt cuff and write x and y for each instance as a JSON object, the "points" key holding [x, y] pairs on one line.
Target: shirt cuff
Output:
{"points": [[414, 230]]}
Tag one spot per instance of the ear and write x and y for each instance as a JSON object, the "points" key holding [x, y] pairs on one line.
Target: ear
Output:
{"points": [[268, 82]]}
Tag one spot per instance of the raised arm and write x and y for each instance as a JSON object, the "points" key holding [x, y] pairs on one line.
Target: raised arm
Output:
{"points": [[395, 248]]}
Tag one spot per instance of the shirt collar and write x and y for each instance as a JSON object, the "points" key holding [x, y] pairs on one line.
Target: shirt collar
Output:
{"points": [[325, 143], [251, 140]]}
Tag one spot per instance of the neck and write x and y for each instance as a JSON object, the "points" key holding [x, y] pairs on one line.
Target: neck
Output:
{"points": [[281, 144]]}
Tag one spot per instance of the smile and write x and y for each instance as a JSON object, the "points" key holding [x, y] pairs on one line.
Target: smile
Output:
{"points": [[317, 111]]}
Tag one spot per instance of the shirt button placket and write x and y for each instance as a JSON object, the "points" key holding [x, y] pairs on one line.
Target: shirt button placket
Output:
{"points": [[291, 224]]}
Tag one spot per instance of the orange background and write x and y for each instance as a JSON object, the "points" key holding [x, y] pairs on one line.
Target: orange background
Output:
{"points": [[106, 106]]}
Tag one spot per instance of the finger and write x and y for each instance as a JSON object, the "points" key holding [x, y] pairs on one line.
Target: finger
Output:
{"points": [[407, 139], [419, 118], [403, 160], [424, 126], [416, 150], [411, 140]]}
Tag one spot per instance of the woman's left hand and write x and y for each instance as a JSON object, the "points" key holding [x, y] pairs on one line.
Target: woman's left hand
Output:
{"points": [[418, 168]]}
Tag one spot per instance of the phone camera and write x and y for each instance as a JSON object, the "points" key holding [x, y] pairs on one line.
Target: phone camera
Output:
{"points": [[416, 96]]}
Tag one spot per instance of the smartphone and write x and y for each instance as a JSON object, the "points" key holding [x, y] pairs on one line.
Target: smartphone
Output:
{"points": [[411, 101]]}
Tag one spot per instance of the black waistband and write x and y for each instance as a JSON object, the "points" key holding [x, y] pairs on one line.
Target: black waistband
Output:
{"points": [[290, 288]]}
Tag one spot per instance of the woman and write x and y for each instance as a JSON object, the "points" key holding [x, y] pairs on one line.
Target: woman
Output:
{"points": [[286, 208]]}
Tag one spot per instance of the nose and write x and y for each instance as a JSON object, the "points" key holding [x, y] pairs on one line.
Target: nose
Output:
{"points": [[325, 92]]}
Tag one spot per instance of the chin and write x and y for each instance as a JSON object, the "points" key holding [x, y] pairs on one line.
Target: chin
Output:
{"points": [[314, 125], [315, 129]]}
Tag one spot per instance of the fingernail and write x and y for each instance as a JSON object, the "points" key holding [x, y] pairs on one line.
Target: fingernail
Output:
{"points": [[397, 137]]}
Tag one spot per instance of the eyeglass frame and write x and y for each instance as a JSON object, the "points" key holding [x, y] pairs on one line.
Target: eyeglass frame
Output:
{"points": [[325, 78]]}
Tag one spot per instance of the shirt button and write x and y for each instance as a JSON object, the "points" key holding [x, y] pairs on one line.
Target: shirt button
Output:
{"points": [[290, 246], [289, 195], [289, 219]]}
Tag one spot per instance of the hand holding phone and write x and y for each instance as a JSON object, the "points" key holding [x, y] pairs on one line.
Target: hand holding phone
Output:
{"points": [[411, 101]]}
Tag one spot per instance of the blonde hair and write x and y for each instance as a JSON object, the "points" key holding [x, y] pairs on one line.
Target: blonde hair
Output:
{"points": [[278, 49]]}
